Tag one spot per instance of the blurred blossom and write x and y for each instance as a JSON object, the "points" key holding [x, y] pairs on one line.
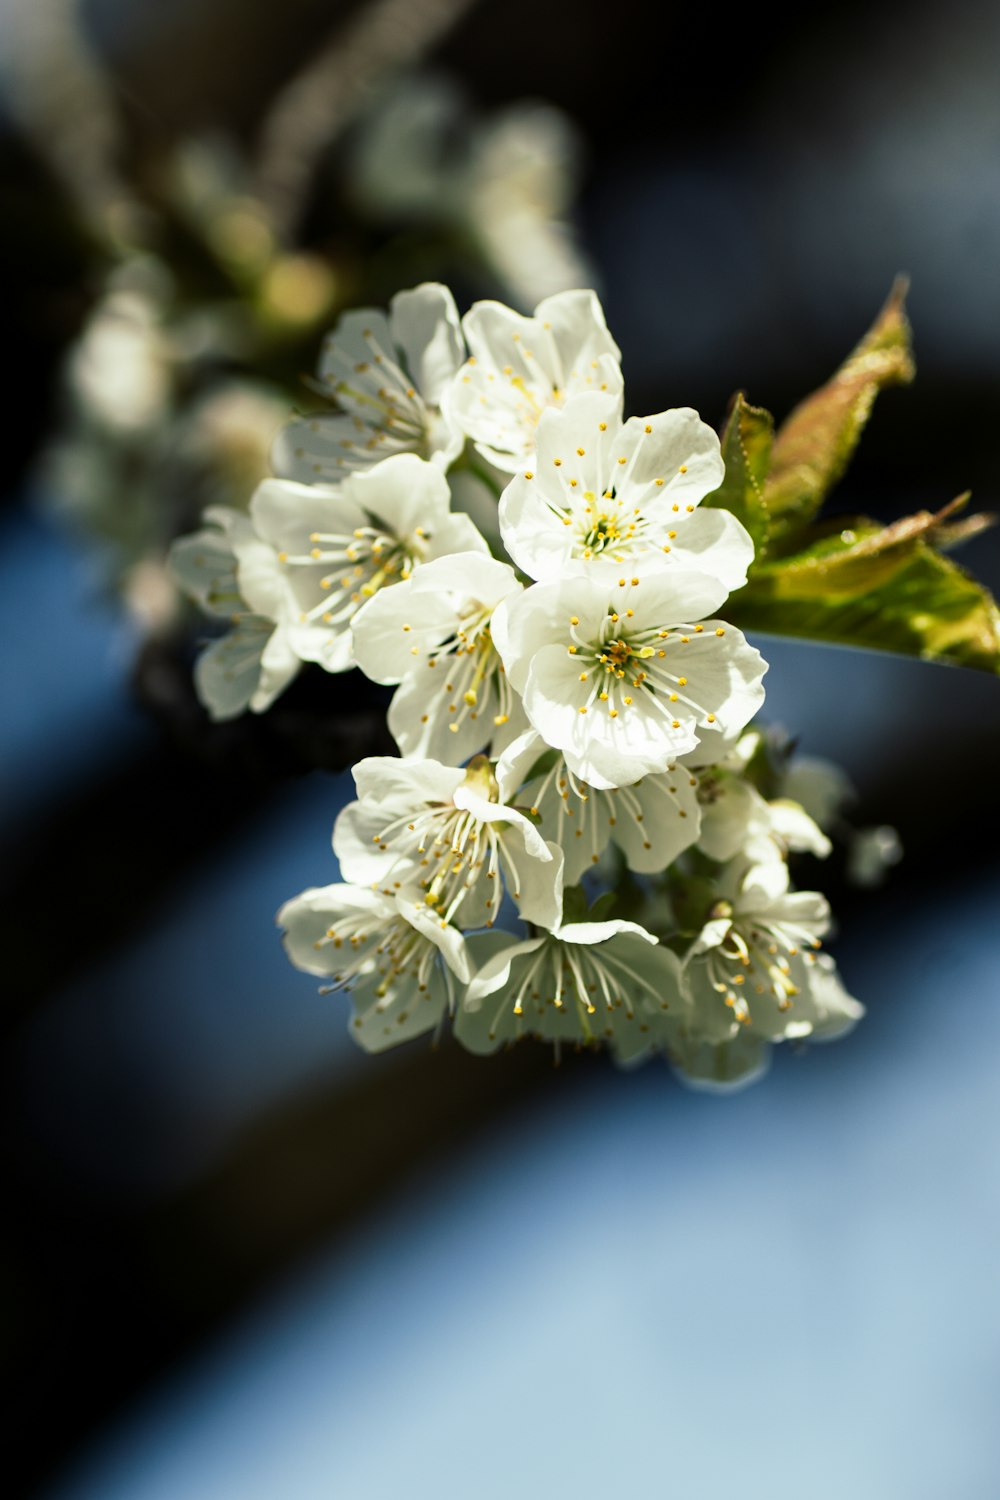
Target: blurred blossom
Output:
{"points": [[119, 371], [153, 427], [507, 181], [872, 853]]}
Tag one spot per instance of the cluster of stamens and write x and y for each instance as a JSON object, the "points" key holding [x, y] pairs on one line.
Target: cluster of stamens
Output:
{"points": [[388, 413], [475, 677], [458, 854], [386, 951], [357, 564], [756, 959], [585, 805], [623, 663], [581, 980]]}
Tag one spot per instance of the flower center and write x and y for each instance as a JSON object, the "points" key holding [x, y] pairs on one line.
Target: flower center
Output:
{"points": [[356, 565], [755, 960]]}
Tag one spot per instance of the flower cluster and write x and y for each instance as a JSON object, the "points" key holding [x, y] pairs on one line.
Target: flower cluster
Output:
{"points": [[582, 840]]}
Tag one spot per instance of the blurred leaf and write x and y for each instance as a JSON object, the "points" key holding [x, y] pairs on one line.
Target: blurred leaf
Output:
{"points": [[814, 444], [882, 587], [746, 449]]}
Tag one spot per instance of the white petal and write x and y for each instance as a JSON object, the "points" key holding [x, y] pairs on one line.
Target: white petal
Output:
{"points": [[734, 811], [204, 566], [397, 785], [398, 627], [404, 492], [307, 918], [589, 933], [262, 580], [286, 514], [539, 898], [227, 672], [576, 319], [713, 542], [670, 819], [496, 971], [796, 829], [425, 326], [447, 939], [720, 1067], [278, 666]]}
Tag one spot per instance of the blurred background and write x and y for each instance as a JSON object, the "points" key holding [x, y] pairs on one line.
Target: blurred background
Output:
{"points": [[240, 1257]]}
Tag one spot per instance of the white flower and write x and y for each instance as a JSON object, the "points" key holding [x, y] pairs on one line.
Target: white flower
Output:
{"points": [[754, 963], [388, 374], [454, 834], [432, 635], [519, 367], [399, 961], [599, 497], [652, 821], [586, 982], [234, 575], [736, 819], [625, 677], [341, 544]]}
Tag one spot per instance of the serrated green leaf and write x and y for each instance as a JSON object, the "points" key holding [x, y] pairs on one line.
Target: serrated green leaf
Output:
{"points": [[746, 449], [814, 444], [884, 588]]}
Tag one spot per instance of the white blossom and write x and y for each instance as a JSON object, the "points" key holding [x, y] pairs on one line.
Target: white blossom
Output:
{"points": [[521, 366], [652, 821], [388, 374], [454, 834], [340, 544], [586, 982], [624, 677], [599, 497], [234, 575], [402, 964], [432, 635], [754, 962], [121, 370]]}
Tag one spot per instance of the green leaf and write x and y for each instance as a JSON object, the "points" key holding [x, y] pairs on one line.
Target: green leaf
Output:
{"points": [[814, 444], [881, 587], [746, 450]]}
